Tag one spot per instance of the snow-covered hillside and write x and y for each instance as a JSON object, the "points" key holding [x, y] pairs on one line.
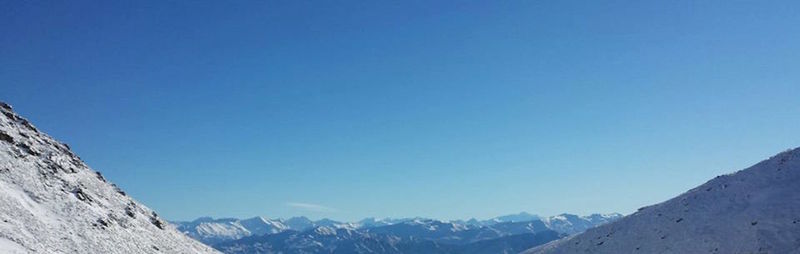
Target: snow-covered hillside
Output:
{"points": [[756, 210], [51, 202]]}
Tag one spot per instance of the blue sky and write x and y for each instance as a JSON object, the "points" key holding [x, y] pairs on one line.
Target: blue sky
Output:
{"points": [[447, 110]]}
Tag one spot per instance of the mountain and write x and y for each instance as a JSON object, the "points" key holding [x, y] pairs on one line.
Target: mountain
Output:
{"points": [[405, 236], [755, 210], [573, 224], [509, 244], [444, 232], [563, 223], [212, 231], [321, 239], [342, 240], [523, 216], [216, 231], [261, 226], [299, 223], [513, 228], [52, 202], [373, 222]]}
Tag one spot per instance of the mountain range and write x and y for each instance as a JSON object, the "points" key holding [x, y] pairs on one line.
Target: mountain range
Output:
{"points": [[302, 235], [343, 240]]}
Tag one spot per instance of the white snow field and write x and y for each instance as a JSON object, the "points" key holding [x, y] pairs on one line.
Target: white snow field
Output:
{"points": [[51, 202], [756, 210]]}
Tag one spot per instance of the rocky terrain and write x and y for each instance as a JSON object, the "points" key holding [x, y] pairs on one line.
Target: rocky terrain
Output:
{"points": [[52, 202]]}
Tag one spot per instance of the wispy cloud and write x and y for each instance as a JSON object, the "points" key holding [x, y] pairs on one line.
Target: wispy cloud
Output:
{"points": [[312, 207]]}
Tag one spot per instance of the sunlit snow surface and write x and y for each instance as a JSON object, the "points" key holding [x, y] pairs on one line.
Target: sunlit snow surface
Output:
{"points": [[756, 210], [51, 202]]}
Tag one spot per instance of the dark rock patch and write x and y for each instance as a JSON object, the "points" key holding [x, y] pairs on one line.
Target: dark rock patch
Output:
{"points": [[120, 191], [7, 138], [129, 210], [10, 116], [156, 221], [100, 176], [82, 196], [102, 222], [6, 106], [27, 149]]}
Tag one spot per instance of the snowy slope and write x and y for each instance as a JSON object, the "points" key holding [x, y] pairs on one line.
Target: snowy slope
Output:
{"points": [[51, 202], [756, 210]]}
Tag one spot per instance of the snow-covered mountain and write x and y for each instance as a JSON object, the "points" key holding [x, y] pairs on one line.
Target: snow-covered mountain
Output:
{"points": [[299, 223], [756, 210], [522, 216], [573, 224], [563, 223], [439, 231], [417, 235], [325, 239], [52, 202], [373, 222], [261, 226], [214, 231]]}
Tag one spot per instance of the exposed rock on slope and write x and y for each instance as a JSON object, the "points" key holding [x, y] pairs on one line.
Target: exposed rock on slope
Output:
{"points": [[756, 210], [51, 202]]}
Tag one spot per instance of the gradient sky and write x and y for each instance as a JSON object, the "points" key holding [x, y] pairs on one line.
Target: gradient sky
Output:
{"points": [[450, 110]]}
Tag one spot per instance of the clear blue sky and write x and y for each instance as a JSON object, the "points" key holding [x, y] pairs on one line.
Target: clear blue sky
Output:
{"points": [[449, 110]]}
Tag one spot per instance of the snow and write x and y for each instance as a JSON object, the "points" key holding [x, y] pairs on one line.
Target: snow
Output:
{"points": [[212, 231], [52, 202], [325, 230], [573, 224], [234, 231], [11, 247], [756, 210]]}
